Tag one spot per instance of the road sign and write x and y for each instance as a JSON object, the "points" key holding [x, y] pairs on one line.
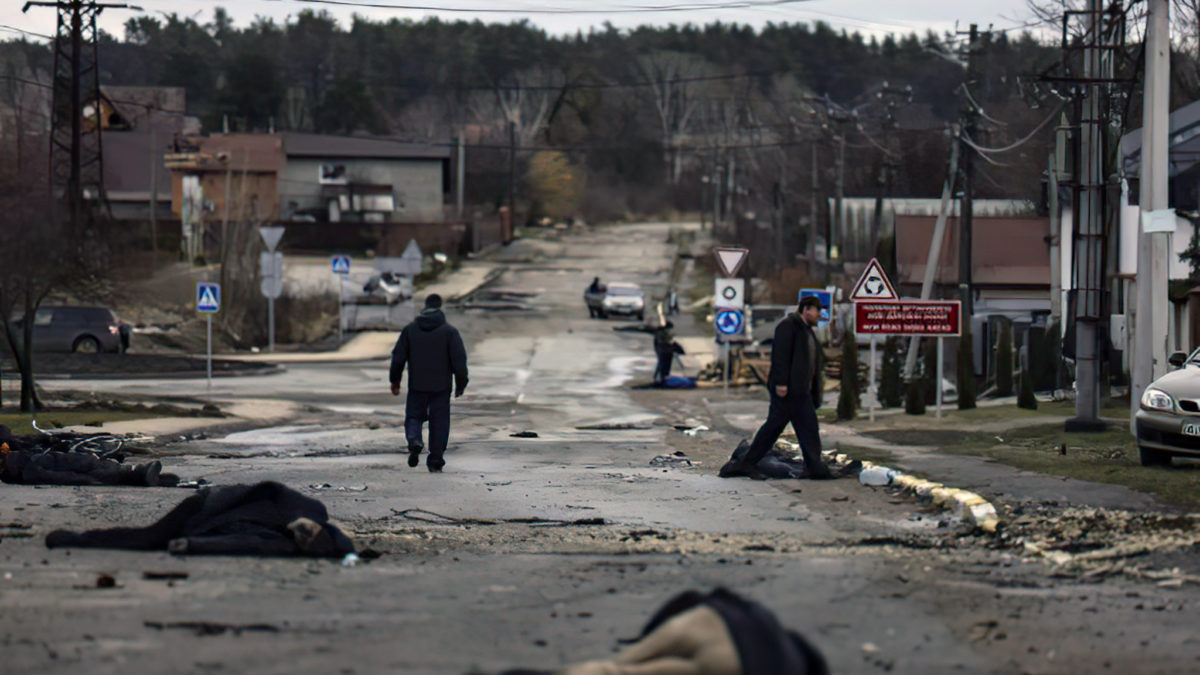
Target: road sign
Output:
{"points": [[873, 284], [271, 265], [729, 293], [826, 299], [730, 259], [730, 322], [208, 297], [909, 317], [340, 264], [271, 234]]}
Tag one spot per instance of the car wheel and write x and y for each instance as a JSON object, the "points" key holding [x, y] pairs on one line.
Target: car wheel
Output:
{"points": [[1152, 457], [602, 314], [86, 345]]}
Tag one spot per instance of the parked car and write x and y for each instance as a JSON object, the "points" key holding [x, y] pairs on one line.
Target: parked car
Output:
{"points": [[87, 330], [1168, 419], [620, 299]]}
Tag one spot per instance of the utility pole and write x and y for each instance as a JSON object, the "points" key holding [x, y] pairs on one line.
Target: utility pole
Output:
{"points": [[512, 174], [1089, 242], [813, 213], [968, 194], [1055, 172], [155, 160], [76, 155], [838, 199], [1150, 321], [460, 176]]}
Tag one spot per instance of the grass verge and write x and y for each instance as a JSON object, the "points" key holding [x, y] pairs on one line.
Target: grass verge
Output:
{"points": [[22, 423]]}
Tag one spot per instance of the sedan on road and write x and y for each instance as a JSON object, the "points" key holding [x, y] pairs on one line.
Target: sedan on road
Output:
{"points": [[623, 299], [1168, 419]]}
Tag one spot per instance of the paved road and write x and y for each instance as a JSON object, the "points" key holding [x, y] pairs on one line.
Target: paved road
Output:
{"points": [[460, 586]]}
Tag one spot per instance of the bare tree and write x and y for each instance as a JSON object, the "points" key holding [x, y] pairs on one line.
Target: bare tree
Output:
{"points": [[526, 100], [676, 82]]}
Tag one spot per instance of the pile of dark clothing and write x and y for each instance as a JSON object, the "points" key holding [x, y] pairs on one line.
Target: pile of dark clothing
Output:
{"points": [[779, 464], [720, 633], [262, 519], [73, 459]]}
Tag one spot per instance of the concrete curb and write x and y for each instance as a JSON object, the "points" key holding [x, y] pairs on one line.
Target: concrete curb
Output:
{"points": [[487, 279], [966, 505], [274, 369]]}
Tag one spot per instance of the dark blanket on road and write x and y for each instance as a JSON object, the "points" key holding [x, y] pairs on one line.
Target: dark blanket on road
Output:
{"points": [[263, 519], [781, 465]]}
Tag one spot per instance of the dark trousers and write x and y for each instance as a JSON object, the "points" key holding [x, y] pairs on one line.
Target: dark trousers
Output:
{"points": [[434, 407], [663, 370], [798, 409]]}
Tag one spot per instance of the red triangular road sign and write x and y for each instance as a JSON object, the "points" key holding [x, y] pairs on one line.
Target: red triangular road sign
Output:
{"points": [[873, 284]]}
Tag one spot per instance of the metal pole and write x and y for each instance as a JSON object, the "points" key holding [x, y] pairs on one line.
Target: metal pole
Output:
{"points": [[727, 368], [460, 186], [341, 317], [208, 368], [812, 213], [270, 324], [153, 190], [940, 360], [839, 197], [871, 391], [1150, 327]]}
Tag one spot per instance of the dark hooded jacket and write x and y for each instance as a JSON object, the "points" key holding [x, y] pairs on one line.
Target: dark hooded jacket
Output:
{"points": [[794, 364], [433, 351]]}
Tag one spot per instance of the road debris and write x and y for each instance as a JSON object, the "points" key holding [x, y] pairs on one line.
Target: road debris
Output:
{"points": [[676, 459], [524, 434], [340, 488], [207, 628]]}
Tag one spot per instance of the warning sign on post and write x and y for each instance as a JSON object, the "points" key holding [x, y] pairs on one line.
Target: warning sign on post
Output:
{"points": [[913, 317]]}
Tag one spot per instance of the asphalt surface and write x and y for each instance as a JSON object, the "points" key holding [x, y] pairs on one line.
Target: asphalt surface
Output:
{"points": [[877, 581]]}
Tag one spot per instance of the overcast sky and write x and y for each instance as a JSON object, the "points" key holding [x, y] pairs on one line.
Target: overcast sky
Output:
{"points": [[866, 16]]}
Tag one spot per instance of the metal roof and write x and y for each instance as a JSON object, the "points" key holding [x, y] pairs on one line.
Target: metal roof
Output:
{"points": [[348, 147]]}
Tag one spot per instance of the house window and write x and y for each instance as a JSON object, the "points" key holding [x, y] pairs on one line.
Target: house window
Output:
{"points": [[333, 174], [374, 203]]}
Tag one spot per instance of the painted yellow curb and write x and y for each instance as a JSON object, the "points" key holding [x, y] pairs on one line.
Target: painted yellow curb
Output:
{"points": [[966, 505]]}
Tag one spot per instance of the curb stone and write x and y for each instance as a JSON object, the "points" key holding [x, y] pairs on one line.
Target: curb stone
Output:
{"points": [[967, 505]]}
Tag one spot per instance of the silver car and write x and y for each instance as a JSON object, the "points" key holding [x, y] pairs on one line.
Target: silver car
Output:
{"points": [[1168, 419], [623, 299]]}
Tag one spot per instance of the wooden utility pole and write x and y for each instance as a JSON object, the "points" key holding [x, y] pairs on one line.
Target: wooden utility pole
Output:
{"points": [[968, 194]]}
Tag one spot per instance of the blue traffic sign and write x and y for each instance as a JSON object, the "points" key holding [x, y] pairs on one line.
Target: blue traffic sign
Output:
{"points": [[208, 297], [826, 299], [341, 264], [730, 322]]}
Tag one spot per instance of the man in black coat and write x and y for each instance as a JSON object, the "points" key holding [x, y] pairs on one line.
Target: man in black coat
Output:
{"points": [[434, 352], [796, 388]]}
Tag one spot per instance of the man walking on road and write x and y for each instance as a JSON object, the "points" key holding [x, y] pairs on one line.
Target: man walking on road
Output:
{"points": [[434, 352], [796, 388]]}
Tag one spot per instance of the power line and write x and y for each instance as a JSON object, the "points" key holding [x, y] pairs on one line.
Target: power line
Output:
{"points": [[643, 9], [1016, 144], [4, 26]]}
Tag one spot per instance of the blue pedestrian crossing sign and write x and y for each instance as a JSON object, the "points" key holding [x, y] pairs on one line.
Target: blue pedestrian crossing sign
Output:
{"points": [[341, 264], [208, 297], [730, 322]]}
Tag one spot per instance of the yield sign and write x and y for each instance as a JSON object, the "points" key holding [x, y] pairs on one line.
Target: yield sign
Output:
{"points": [[731, 259], [873, 284], [271, 234]]}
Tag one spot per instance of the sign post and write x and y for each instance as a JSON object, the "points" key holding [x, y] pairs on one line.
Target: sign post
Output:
{"points": [[271, 264], [208, 302], [729, 302], [341, 270], [879, 311]]}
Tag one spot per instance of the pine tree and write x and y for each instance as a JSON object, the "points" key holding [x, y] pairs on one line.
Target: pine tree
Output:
{"points": [[848, 397], [891, 394], [1026, 399], [1004, 360], [966, 370]]}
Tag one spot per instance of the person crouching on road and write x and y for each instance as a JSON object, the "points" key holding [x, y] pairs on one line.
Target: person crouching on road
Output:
{"points": [[434, 352], [796, 389]]}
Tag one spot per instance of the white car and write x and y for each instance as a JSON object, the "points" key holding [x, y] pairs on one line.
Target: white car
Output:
{"points": [[622, 299]]}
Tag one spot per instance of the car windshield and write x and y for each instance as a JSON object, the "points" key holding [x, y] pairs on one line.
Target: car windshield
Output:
{"points": [[624, 290], [1194, 357]]}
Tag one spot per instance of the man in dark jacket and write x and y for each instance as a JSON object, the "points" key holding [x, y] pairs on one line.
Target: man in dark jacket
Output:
{"points": [[434, 352], [796, 388], [665, 348]]}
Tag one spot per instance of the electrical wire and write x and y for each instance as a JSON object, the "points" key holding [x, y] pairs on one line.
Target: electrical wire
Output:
{"points": [[1013, 146], [979, 108], [636, 9], [4, 26]]}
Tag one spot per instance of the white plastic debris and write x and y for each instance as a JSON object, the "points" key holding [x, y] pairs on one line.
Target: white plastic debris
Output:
{"points": [[696, 431], [350, 560], [876, 476]]}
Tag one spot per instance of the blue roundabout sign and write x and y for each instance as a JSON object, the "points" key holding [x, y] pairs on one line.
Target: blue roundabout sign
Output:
{"points": [[730, 322]]}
